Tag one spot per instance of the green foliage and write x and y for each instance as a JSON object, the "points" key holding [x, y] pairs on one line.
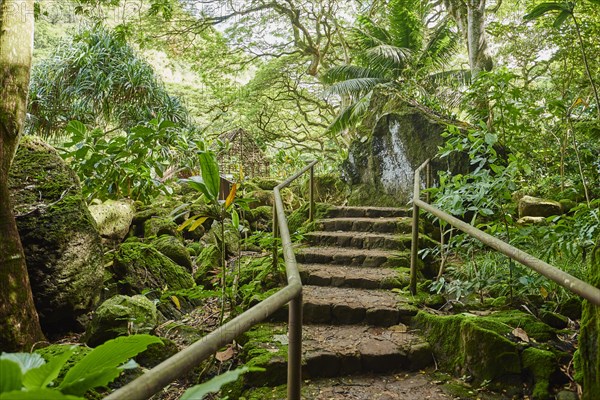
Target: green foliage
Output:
{"points": [[130, 164], [214, 385], [98, 79], [399, 55], [29, 376]]}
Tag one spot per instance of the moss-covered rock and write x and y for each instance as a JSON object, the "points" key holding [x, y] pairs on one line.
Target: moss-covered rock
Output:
{"points": [[119, 316], [173, 248], [265, 346], [260, 218], [60, 238], [139, 267], [113, 218], [541, 365], [207, 262], [483, 347], [589, 338], [157, 353], [553, 319], [329, 188], [299, 216], [535, 207], [393, 141], [157, 226]]}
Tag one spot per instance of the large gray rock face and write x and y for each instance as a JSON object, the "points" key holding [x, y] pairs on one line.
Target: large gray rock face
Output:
{"points": [[60, 239], [113, 218], [381, 165]]}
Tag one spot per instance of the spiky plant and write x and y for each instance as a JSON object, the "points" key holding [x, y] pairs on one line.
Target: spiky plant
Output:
{"points": [[98, 79], [399, 54]]}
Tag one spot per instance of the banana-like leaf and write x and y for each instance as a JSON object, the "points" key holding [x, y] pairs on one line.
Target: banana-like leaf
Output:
{"points": [[210, 174], [11, 377], [42, 376], [25, 361], [545, 8], [102, 365], [39, 394], [562, 17], [231, 196], [197, 183], [214, 385]]}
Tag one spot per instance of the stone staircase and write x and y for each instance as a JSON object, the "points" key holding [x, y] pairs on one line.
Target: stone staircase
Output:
{"points": [[353, 259], [355, 325]]}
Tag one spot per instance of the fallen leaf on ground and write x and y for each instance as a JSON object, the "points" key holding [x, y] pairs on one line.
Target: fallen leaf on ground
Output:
{"points": [[224, 355], [521, 334]]}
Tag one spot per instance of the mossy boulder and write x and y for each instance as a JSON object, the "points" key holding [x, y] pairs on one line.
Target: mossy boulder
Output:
{"points": [[530, 206], [113, 218], [328, 188], [174, 249], [541, 365], [207, 262], [157, 353], [157, 226], [260, 218], [393, 141], [121, 315], [589, 337], [140, 268], [485, 349], [60, 238]]}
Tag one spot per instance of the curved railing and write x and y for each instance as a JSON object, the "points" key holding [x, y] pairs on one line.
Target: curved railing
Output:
{"points": [[569, 282], [184, 361]]}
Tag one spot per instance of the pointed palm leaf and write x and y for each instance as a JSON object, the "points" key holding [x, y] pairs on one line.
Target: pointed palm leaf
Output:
{"points": [[345, 72], [351, 114], [355, 87]]}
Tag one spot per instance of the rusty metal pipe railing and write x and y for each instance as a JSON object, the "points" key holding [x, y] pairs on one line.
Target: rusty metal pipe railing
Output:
{"points": [[184, 361], [569, 282]]}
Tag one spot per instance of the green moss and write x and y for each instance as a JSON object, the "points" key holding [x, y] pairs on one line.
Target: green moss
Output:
{"points": [[160, 226], [368, 195], [265, 393], [299, 217], [541, 364], [263, 347], [517, 319], [121, 315], [589, 338], [173, 248], [139, 266], [208, 261], [55, 350], [328, 188]]}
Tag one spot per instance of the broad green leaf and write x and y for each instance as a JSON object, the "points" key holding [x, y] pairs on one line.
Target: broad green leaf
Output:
{"points": [[235, 219], [100, 366], [197, 183], [42, 376], [76, 128], [210, 174], [39, 394], [10, 376], [214, 385], [544, 8], [26, 361], [561, 18]]}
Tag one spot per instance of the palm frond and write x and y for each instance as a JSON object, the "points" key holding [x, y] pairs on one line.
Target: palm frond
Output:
{"points": [[438, 50], [388, 58], [351, 115], [406, 28], [354, 87], [345, 72]]}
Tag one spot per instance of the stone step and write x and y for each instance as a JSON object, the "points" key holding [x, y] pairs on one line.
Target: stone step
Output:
{"points": [[413, 385], [343, 350], [380, 225], [339, 306], [356, 277], [360, 240], [368, 258], [332, 351], [368, 212]]}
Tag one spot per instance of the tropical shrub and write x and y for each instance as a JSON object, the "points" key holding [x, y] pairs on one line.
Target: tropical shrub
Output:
{"points": [[29, 376]]}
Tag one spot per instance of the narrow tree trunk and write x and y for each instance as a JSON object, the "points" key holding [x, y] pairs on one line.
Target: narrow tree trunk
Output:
{"points": [[19, 323]]}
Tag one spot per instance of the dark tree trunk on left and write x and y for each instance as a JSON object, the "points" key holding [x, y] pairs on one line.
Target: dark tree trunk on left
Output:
{"points": [[19, 323]]}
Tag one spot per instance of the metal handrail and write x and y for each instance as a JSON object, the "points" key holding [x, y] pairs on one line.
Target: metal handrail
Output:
{"points": [[569, 282], [184, 361]]}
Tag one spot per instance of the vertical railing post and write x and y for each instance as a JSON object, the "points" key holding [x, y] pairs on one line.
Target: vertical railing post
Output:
{"points": [[427, 181], [275, 234], [414, 249], [294, 378], [311, 193]]}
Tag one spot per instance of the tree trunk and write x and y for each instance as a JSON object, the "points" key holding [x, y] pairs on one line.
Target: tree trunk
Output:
{"points": [[19, 323], [469, 16]]}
